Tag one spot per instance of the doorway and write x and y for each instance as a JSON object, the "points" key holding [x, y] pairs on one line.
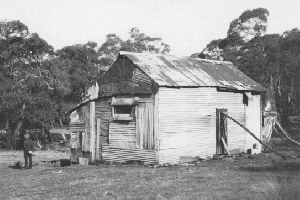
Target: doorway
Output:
{"points": [[222, 136]]}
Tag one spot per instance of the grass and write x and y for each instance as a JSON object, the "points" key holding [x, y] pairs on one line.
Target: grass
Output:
{"points": [[262, 176], [281, 187]]}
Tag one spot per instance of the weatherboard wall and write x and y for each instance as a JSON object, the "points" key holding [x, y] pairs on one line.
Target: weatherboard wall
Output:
{"points": [[253, 119], [185, 118], [187, 121], [123, 77], [103, 112], [235, 106], [119, 138]]}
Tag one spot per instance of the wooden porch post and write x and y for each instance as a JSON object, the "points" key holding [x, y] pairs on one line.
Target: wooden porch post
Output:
{"points": [[98, 140]]}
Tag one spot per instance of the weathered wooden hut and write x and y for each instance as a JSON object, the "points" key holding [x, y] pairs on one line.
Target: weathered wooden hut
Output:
{"points": [[159, 108]]}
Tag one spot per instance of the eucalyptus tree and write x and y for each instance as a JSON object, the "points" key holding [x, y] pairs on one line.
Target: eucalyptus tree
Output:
{"points": [[28, 83], [137, 42]]}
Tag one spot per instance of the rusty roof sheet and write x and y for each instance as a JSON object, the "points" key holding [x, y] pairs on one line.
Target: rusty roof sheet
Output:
{"points": [[168, 70]]}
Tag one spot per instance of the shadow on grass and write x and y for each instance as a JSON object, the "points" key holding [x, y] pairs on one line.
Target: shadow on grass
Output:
{"points": [[17, 165], [273, 167], [57, 163], [52, 163]]}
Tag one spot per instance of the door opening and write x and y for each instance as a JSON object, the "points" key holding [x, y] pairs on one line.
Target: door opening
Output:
{"points": [[222, 136]]}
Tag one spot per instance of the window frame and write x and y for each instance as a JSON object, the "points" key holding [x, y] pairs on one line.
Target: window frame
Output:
{"points": [[123, 116]]}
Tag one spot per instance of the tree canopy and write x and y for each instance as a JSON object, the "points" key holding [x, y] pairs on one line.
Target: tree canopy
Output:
{"points": [[39, 85], [262, 56], [137, 42]]}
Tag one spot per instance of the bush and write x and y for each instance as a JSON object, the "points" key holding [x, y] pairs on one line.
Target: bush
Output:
{"points": [[4, 141]]}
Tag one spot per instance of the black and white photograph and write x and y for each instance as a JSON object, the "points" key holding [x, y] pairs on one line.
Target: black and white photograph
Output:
{"points": [[160, 99]]}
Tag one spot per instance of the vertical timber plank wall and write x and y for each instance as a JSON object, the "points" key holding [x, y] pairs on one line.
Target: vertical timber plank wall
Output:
{"points": [[103, 111], [84, 116]]}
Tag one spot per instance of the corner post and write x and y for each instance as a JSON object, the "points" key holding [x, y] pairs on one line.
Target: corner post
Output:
{"points": [[98, 140], [92, 130]]}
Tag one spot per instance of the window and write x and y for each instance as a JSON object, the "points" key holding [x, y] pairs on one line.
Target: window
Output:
{"points": [[123, 108], [123, 112]]}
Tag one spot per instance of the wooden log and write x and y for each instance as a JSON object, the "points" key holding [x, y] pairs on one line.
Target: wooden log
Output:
{"points": [[241, 125]]}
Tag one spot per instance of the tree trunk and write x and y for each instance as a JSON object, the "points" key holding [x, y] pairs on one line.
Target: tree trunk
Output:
{"points": [[8, 135], [61, 126], [7, 125], [60, 122], [17, 129], [47, 131]]}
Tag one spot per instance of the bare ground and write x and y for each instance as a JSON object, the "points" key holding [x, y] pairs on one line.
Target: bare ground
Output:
{"points": [[263, 176]]}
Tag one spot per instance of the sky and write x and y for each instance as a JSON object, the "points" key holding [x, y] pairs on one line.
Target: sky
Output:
{"points": [[186, 25]]}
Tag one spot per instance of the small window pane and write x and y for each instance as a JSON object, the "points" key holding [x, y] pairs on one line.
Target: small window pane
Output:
{"points": [[123, 109]]}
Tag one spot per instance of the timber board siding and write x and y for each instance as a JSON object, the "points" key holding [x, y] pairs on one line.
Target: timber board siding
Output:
{"points": [[122, 135], [187, 121], [184, 124], [253, 119], [123, 77], [77, 127], [233, 102], [103, 111], [123, 155]]}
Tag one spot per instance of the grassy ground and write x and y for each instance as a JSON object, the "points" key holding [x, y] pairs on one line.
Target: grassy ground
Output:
{"points": [[262, 176]]}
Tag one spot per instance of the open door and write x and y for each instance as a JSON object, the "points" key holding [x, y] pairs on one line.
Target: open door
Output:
{"points": [[222, 137]]}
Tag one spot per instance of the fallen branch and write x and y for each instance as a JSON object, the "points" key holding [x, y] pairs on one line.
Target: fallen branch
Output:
{"points": [[241, 125]]}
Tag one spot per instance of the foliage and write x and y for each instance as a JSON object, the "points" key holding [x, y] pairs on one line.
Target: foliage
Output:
{"points": [[251, 23], [39, 85], [22, 56], [212, 51], [137, 42], [262, 56], [109, 50], [81, 65]]}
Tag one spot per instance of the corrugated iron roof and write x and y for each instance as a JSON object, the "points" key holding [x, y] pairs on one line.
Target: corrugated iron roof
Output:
{"points": [[168, 70]]}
